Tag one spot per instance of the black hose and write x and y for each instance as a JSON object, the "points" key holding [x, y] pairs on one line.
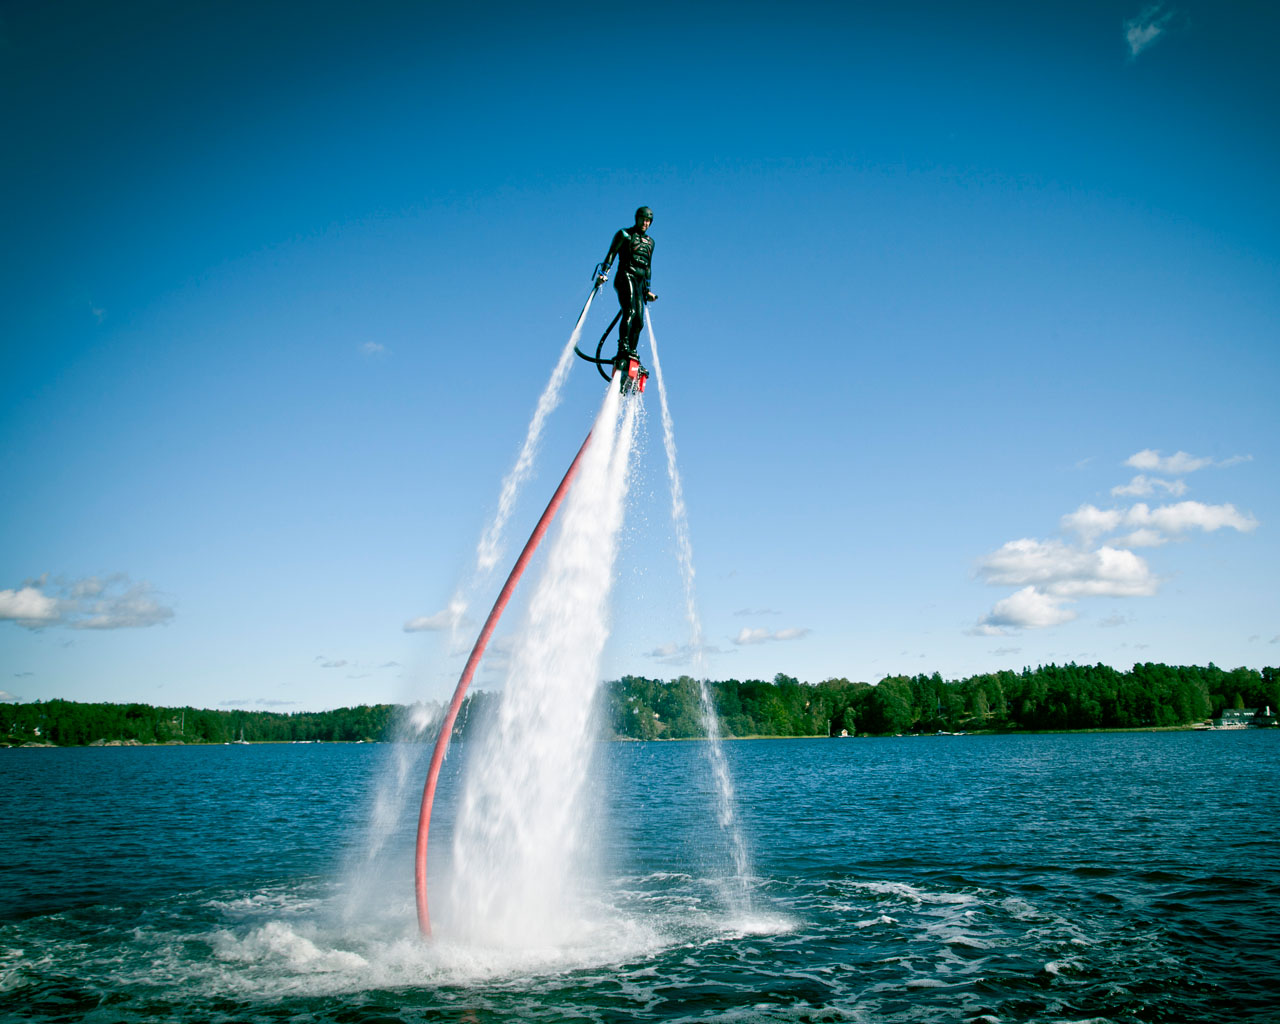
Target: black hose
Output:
{"points": [[601, 363]]}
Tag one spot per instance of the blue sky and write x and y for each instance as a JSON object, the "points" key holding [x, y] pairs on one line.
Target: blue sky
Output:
{"points": [[969, 318]]}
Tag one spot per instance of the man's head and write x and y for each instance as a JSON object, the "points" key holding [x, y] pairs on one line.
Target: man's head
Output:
{"points": [[644, 217]]}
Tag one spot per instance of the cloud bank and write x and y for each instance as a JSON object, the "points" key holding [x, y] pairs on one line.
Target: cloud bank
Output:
{"points": [[438, 622], [681, 654], [747, 636], [1095, 559], [93, 602]]}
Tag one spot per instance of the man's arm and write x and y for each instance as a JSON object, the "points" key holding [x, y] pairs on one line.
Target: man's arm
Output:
{"points": [[614, 249]]}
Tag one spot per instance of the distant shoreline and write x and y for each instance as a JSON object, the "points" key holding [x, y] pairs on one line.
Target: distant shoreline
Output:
{"points": [[183, 743], [1048, 699], [629, 739]]}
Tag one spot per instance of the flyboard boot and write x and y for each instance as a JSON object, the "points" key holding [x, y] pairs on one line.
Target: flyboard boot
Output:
{"points": [[634, 376]]}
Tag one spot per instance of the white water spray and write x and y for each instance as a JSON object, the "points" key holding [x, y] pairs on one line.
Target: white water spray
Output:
{"points": [[399, 780], [489, 550], [519, 851], [401, 769], [726, 803], [490, 546]]}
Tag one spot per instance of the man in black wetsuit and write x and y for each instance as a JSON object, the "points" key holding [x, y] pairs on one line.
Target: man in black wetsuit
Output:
{"points": [[633, 249]]}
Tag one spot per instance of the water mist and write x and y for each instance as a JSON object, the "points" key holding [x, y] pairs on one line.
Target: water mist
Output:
{"points": [[490, 546], [726, 803], [519, 857], [400, 776]]}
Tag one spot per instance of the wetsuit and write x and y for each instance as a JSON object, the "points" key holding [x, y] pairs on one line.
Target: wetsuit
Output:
{"points": [[634, 250]]}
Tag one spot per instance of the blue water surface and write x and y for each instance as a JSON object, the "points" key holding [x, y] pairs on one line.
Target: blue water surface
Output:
{"points": [[1109, 877]]}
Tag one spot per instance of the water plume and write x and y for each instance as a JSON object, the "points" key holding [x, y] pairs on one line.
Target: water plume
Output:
{"points": [[389, 809], [519, 852], [726, 801], [490, 546], [489, 549]]}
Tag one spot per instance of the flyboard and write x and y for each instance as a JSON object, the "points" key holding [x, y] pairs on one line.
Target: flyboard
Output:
{"points": [[632, 376]]}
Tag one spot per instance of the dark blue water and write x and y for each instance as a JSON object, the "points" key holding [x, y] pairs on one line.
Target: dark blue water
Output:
{"points": [[1131, 877]]}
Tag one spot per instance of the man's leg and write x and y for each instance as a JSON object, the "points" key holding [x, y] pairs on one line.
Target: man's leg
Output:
{"points": [[632, 314]]}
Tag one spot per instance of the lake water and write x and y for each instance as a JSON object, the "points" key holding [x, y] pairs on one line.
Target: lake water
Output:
{"points": [[1122, 877]]}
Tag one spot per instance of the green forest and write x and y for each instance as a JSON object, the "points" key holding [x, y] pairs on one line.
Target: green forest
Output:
{"points": [[1050, 697], [66, 723]]}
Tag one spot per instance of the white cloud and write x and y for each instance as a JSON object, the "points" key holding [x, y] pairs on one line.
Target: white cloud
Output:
{"points": [[373, 348], [1141, 486], [762, 636], [1141, 539], [1091, 522], [1027, 608], [668, 652], [90, 586], [28, 607], [1020, 561], [7, 698], [1178, 463], [441, 620], [1146, 28], [1060, 570], [1107, 572], [89, 603], [680, 654], [1152, 525], [136, 608], [1051, 574], [1187, 515]]}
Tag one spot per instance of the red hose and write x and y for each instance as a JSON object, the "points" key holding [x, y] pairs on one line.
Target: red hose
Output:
{"points": [[446, 728]]}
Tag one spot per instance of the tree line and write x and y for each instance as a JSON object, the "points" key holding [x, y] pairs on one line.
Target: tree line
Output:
{"points": [[634, 707], [1045, 698], [68, 723]]}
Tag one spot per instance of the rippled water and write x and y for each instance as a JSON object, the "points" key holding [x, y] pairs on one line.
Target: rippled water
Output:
{"points": [[1130, 877]]}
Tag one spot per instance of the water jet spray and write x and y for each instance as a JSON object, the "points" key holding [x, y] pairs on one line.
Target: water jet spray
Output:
{"points": [[446, 727], [573, 591]]}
